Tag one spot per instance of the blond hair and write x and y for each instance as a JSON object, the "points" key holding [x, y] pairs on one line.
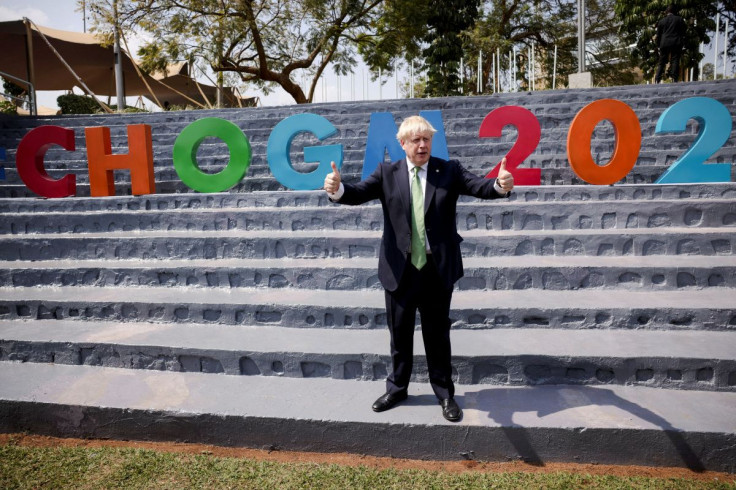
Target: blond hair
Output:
{"points": [[414, 125]]}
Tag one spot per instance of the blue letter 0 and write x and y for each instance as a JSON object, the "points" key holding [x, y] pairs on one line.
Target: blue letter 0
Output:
{"points": [[714, 123], [279, 144], [382, 137]]}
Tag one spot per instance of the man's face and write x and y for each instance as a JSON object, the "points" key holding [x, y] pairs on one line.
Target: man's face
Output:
{"points": [[418, 147]]}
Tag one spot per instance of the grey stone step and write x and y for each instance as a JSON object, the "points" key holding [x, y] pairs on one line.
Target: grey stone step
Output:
{"points": [[670, 359], [639, 97], [490, 215], [263, 180], [249, 184], [351, 243], [605, 424], [225, 200], [519, 273], [683, 310]]}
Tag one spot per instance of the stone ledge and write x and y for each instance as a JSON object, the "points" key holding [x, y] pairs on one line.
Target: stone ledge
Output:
{"points": [[227, 200], [221, 244], [495, 273], [667, 359], [364, 309], [489, 215], [611, 424]]}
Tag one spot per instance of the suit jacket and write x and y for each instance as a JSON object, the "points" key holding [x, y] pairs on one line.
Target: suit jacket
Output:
{"points": [[446, 181], [671, 31]]}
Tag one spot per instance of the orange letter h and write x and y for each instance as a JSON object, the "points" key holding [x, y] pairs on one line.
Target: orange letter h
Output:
{"points": [[102, 163]]}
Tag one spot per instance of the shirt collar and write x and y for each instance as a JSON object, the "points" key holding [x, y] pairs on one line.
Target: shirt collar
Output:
{"points": [[411, 166]]}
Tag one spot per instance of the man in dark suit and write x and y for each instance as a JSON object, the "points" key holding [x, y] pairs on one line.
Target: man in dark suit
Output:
{"points": [[670, 38], [419, 260]]}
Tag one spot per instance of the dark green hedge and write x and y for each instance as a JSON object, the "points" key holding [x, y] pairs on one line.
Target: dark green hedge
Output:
{"points": [[77, 104]]}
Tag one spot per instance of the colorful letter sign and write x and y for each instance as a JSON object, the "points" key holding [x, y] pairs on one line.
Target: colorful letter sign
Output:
{"points": [[714, 128], [713, 118], [102, 163], [382, 138], [628, 141], [29, 161], [529, 133], [279, 144], [185, 155]]}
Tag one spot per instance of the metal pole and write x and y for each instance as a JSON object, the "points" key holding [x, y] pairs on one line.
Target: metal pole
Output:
{"points": [[725, 48], [715, 48], [534, 74], [396, 80], [411, 80], [581, 36], [461, 75], [554, 70], [511, 75], [498, 67], [480, 72], [380, 85], [30, 67], [493, 71], [119, 80]]}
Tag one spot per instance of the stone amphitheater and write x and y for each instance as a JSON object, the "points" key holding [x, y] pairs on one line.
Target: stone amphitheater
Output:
{"points": [[594, 323]]}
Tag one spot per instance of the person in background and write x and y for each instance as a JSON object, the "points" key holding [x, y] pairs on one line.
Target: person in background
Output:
{"points": [[670, 39]]}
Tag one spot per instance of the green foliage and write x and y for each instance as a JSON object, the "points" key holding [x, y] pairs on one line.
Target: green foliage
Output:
{"points": [[74, 468], [11, 106], [266, 43], [12, 89], [447, 20], [638, 26], [8, 107], [77, 104], [127, 109]]}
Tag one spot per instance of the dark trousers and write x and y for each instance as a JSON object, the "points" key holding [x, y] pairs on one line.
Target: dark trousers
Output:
{"points": [[671, 54], [423, 291]]}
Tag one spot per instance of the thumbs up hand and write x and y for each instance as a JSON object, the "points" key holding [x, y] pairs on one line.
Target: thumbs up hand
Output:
{"points": [[505, 179], [332, 180]]}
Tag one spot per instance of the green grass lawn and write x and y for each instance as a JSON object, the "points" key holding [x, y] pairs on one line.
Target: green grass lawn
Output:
{"points": [[107, 467]]}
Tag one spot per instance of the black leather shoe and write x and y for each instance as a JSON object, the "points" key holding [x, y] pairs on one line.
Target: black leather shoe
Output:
{"points": [[451, 410], [388, 401]]}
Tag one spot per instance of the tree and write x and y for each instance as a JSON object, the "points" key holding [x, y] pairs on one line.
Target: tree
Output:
{"points": [[268, 43], [607, 53], [727, 9], [638, 26], [446, 22], [515, 25]]}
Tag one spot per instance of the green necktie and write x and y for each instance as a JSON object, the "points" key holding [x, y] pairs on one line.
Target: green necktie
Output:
{"points": [[418, 246]]}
